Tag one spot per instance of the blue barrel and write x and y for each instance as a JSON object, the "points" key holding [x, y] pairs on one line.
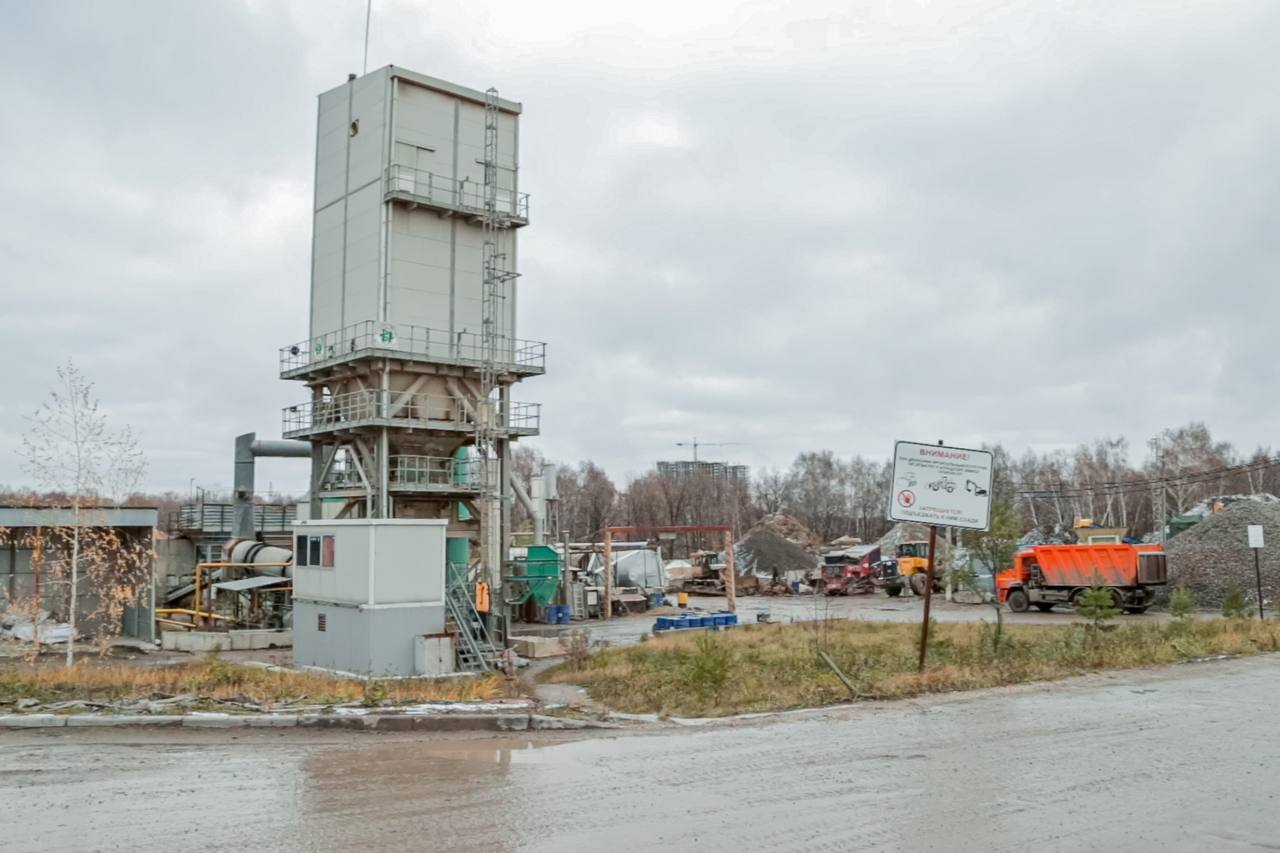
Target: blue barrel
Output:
{"points": [[731, 619], [549, 615]]}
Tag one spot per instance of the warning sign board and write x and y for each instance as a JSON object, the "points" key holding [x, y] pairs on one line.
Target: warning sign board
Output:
{"points": [[946, 486]]}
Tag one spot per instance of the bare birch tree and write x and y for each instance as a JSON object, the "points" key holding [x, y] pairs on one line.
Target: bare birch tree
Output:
{"points": [[71, 449]]}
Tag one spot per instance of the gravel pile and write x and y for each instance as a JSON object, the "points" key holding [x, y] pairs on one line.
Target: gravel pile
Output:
{"points": [[1214, 555], [1205, 507], [789, 528], [767, 554], [1059, 535]]}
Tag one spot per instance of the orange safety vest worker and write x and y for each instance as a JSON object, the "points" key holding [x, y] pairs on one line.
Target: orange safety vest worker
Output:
{"points": [[482, 597]]}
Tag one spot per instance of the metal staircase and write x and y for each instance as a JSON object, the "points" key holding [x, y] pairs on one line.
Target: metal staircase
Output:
{"points": [[475, 650]]}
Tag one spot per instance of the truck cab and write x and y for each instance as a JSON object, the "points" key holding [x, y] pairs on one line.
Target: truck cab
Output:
{"points": [[849, 570]]}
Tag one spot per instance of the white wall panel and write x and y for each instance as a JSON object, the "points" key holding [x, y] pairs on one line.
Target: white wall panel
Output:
{"points": [[432, 259]]}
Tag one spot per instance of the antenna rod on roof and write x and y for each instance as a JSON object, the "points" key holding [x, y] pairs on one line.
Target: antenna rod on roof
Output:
{"points": [[368, 13]]}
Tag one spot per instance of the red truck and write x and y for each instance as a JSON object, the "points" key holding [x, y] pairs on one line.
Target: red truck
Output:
{"points": [[1046, 575], [849, 571]]}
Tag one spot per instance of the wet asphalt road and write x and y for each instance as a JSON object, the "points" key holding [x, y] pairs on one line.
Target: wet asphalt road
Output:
{"points": [[1179, 758]]}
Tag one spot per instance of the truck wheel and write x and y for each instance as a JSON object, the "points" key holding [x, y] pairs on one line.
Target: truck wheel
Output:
{"points": [[893, 591], [1018, 601], [1142, 609], [1044, 606], [918, 583]]}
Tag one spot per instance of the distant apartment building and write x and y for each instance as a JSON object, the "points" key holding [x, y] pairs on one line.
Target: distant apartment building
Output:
{"points": [[689, 470]]}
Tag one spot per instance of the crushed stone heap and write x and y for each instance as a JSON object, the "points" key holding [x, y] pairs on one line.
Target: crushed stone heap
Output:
{"points": [[1214, 555]]}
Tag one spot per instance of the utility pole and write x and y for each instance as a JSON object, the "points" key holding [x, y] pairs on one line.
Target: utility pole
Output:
{"points": [[1159, 495]]}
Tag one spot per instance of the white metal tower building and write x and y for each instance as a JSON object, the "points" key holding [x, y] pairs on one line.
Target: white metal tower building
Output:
{"points": [[413, 350]]}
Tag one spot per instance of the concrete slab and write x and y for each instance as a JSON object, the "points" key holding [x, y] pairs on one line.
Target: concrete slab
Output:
{"points": [[31, 721], [538, 647], [270, 721], [211, 721], [82, 720], [254, 639], [195, 641]]}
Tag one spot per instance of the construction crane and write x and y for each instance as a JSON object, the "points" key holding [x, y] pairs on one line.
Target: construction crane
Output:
{"points": [[695, 444]]}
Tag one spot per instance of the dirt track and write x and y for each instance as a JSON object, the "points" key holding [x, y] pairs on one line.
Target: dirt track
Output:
{"points": [[1180, 758]]}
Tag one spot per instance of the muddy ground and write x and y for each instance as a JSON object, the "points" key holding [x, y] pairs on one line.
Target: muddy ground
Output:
{"points": [[797, 608], [1178, 758]]}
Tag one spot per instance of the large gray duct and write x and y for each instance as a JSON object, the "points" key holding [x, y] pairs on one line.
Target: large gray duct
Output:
{"points": [[248, 448], [250, 551]]}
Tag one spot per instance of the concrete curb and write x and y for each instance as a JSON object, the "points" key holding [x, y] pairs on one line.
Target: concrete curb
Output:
{"points": [[362, 722]]}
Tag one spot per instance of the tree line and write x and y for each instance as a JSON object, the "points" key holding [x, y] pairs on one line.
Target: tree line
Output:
{"points": [[1104, 480]]}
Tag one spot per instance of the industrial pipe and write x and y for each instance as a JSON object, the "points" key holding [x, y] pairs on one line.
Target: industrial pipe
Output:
{"points": [[250, 552], [248, 448]]}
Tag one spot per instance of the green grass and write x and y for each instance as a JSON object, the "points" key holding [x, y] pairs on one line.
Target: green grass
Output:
{"points": [[776, 667]]}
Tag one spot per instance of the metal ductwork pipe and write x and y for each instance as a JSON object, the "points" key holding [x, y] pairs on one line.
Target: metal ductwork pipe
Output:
{"points": [[248, 448], [250, 551]]}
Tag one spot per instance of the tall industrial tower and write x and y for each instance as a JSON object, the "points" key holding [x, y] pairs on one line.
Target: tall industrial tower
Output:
{"points": [[413, 350]]}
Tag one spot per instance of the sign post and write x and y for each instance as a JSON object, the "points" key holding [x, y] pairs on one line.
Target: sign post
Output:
{"points": [[1255, 542], [942, 487]]}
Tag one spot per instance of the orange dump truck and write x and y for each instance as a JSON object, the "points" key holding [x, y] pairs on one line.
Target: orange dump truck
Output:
{"points": [[1046, 575]]}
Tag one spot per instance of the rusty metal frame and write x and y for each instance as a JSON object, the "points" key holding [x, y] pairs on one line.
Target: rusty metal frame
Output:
{"points": [[730, 573]]}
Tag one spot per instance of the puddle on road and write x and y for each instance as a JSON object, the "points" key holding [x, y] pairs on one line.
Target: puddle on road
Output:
{"points": [[500, 752]]}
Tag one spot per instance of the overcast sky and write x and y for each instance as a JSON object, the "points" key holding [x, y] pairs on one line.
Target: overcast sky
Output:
{"points": [[793, 225]]}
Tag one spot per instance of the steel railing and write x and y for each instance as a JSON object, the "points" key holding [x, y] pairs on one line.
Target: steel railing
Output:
{"points": [[444, 191], [524, 416], [435, 473], [511, 354], [220, 517], [375, 407]]}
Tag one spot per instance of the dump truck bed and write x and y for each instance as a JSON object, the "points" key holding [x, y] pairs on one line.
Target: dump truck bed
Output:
{"points": [[1105, 565]]}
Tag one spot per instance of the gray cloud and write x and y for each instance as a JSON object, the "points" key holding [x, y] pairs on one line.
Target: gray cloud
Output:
{"points": [[792, 229]]}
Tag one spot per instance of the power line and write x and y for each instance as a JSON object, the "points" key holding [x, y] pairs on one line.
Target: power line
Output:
{"points": [[1186, 478]]}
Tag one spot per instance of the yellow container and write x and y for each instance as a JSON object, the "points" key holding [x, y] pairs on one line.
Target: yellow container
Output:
{"points": [[682, 598]]}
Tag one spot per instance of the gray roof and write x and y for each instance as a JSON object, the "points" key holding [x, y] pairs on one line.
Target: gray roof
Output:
{"points": [[34, 516]]}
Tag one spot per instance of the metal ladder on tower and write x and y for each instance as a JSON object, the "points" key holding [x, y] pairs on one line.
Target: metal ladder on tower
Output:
{"points": [[492, 295], [578, 595], [476, 651]]}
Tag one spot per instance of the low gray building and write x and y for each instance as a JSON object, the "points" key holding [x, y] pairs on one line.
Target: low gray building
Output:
{"points": [[119, 548]]}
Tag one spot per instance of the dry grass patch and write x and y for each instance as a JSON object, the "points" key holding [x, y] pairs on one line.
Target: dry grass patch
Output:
{"points": [[215, 680], [776, 667]]}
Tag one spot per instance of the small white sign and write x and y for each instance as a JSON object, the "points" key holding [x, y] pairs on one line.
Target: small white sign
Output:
{"points": [[1255, 535], [946, 486]]}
